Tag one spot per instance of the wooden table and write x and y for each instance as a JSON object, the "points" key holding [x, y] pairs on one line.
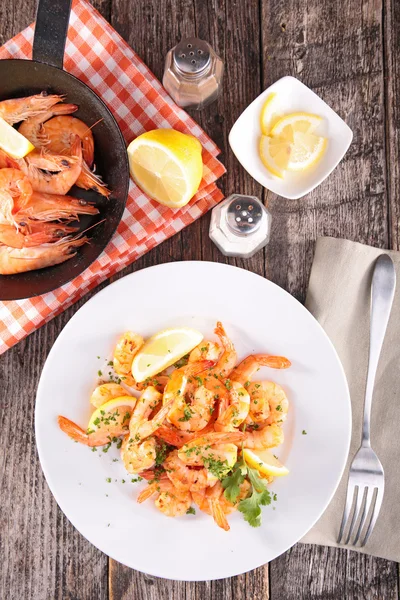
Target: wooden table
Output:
{"points": [[348, 53]]}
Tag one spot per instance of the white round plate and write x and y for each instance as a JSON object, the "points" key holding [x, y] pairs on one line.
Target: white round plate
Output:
{"points": [[259, 317]]}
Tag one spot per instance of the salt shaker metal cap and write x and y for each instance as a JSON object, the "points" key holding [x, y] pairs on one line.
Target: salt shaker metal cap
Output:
{"points": [[193, 73], [240, 226]]}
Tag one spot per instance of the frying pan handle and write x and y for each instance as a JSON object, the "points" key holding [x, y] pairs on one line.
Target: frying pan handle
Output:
{"points": [[51, 29]]}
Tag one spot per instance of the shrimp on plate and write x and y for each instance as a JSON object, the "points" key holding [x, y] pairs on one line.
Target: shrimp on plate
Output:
{"points": [[200, 431]]}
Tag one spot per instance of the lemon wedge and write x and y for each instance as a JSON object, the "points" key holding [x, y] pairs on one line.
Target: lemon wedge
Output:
{"points": [[167, 165], [299, 121], [163, 350], [270, 113], [13, 142], [113, 414], [265, 462]]}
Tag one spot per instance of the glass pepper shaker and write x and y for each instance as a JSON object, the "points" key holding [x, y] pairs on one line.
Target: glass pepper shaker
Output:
{"points": [[240, 226], [193, 73]]}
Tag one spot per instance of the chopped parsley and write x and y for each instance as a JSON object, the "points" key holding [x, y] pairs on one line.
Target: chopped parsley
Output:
{"points": [[216, 467], [228, 384], [99, 373], [108, 479], [279, 408], [304, 432], [161, 453], [191, 511], [136, 479], [187, 413], [199, 380]]}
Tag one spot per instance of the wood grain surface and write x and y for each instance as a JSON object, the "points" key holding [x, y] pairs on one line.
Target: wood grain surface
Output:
{"points": [[349, 54]]}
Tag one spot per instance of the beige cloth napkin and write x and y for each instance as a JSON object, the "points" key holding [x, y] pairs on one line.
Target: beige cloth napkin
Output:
{"points": [[339, 298]]}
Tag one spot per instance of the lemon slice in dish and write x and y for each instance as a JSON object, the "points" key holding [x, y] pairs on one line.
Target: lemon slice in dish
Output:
{"points": [[163, 350], [306, 151], [299, 121], [13, 142], [265, 462], [113, 415], [270, 113], [275, 154], [167, 165]]}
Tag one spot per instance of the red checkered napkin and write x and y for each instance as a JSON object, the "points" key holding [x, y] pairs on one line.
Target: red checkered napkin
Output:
{"points": [[99, 56]]}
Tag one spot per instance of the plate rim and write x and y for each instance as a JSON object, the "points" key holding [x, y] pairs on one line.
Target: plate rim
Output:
{"points": [[175, 264]]}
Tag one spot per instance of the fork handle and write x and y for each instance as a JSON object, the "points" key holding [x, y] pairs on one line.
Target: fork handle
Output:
{"points": [[382, 294]]}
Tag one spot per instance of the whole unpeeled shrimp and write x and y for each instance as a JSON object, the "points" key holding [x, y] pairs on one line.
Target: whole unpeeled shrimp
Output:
{"points": [[15, 191], [52, 207], [125, 351], [58, 131], [18, 109], [60, 182], [182, 413], [33, 128], [268, 403], [27, 237], [20, 260], [251, 364], [169, 500]]}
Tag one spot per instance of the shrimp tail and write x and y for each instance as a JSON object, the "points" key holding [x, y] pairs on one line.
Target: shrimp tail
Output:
{"points": [[147, 493], [218, 515], [73, 430], [170, 436], [150, 474], [276, 362]]}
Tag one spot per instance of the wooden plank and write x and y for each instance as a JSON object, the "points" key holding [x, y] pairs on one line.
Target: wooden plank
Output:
{"points": [[336, 49], [43, 556], [216, 22], [392, 106]]}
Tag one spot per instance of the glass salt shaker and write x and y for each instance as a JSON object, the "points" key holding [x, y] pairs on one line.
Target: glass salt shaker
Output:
{"points": [[193, 73], [240, 226]]}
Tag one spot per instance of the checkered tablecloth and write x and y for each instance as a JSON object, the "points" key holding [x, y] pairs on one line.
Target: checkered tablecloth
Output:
{"points": [[101, 58]]}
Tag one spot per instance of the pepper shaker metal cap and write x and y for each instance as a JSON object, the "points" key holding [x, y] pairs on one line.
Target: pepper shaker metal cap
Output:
{"points": [[240, 226], [193, 73]]}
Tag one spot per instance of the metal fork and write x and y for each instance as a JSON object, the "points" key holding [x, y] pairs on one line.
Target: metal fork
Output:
{"points": [[366, 478]]}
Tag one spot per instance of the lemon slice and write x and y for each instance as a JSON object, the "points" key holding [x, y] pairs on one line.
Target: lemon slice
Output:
{"points": [[307, 150], [275, 154], [163, 350], [303, 122], [113, 415], [13, 142], [270, 113], [265, 462], [167, 165]]}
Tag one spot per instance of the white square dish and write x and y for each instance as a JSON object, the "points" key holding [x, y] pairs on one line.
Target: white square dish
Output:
{"points": [[294, 96]]}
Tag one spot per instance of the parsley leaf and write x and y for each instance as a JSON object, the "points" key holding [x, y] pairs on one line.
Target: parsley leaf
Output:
{"points": [[232, 483], [191, 511], [251, 507]]}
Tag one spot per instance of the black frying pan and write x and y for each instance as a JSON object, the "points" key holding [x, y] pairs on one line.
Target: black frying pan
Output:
{"points": [[20, 78]]}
